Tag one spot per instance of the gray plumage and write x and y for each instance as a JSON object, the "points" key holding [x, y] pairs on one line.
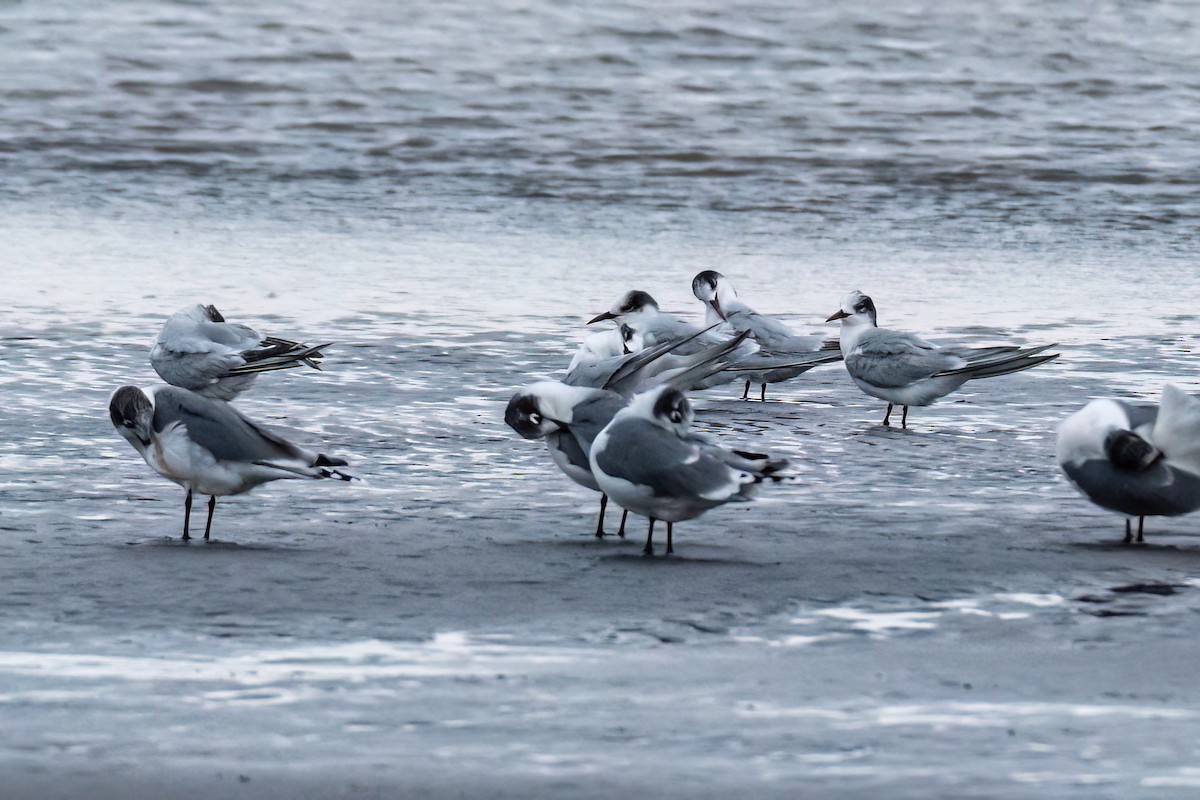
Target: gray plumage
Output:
{"points": [[198, 350], [1135, 460]]}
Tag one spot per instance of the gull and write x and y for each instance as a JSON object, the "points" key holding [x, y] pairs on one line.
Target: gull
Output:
{"points": [[208, 447], [776, 339], [649, 462], [908, 371], [1136, 460], [568, 416], [198, 350]]}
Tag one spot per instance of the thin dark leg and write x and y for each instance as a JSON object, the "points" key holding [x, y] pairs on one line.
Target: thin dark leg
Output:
{"points": [[746, 392], [212, 506], [187, 514], [887, 417], [904, 418], [624, 516], [1128, 532], [670, 544], [763, 395], [1141, 523], [600, 524], [649, 548]]}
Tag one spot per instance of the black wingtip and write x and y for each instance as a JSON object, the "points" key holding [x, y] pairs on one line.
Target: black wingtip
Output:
{"points": [[325, 461]]}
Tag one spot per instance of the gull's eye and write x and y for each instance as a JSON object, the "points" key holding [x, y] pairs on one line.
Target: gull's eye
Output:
{"points": [[676, 416], [128, 423], [535, 418]]}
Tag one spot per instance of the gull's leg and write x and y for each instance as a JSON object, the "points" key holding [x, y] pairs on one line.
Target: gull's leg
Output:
{"points": [[187, 514], [1128, 532], [600, 524], [649, 548], [624, 516], [904, 418], [888, 416], [746, 392], [1141, 523], [212, 506], [763, 395], [670, 544]]}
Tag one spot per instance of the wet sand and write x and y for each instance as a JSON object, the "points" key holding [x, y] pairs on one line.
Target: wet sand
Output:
{"points": [[922, 612]]}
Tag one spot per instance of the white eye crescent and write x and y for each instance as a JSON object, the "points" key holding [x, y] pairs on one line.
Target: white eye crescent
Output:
{"points": [[535, 418]]}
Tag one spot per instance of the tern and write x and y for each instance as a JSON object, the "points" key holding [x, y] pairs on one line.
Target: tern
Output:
{"points": [[776, 339], [1136, 460], [198, 350], [907, 371], [208, 447], [649, 462]]}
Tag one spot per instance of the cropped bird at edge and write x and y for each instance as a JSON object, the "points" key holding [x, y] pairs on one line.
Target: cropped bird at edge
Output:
{"points": [[198, 350], [208, 447], [776, 340], [907, 371], [650, 462], [1136, 460]]}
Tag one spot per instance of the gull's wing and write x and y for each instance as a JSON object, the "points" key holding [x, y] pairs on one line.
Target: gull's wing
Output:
{"points": [[648, 456], [589, 417], [891, 359], [221, 430]]}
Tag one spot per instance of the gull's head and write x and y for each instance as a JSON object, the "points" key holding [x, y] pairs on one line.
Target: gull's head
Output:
{"points": [[132, 413], [665, 406], [857, 309], [713, 289], [631, 340], [542, 408], [633, 306]]}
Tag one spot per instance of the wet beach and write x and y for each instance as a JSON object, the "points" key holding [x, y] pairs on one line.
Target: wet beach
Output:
{"points": [[924, 613]]}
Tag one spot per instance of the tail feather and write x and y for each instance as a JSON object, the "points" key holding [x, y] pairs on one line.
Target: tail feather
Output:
{"points": [[1002, 363], [278, 357], [630, 369], [815, 359], [709, 363]]}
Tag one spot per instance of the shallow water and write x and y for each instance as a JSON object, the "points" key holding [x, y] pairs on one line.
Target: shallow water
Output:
{"points": [[449, 196]]}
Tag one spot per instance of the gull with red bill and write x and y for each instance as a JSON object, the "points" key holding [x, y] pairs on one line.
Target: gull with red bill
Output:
{"points": [[908, 371]]}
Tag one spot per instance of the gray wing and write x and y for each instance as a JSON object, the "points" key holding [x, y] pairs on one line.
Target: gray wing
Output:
{"points": [[892, 360], [770, 332], [643, 453], [220, 429], [589, 417]]}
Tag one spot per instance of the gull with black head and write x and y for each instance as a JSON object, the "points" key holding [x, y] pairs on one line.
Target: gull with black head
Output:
{"points": [[208, 447], [650, 462], [1136, 460]]}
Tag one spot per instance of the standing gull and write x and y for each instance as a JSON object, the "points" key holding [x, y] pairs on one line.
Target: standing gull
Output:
{"points": [[649, 462], [569, 416], [207, 446], [1139, 461], [907, 371], [198, 350], [776, 339]]}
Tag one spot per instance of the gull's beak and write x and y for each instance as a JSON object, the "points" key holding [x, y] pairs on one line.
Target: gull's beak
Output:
{"points": [[716, 304], [839, 314], [602, 317]]}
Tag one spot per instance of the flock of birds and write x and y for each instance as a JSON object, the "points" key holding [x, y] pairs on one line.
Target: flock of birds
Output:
{"points": [[620, 423]]}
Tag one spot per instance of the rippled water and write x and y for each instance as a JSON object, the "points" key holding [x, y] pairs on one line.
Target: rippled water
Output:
{"points": [[448, 193]]}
